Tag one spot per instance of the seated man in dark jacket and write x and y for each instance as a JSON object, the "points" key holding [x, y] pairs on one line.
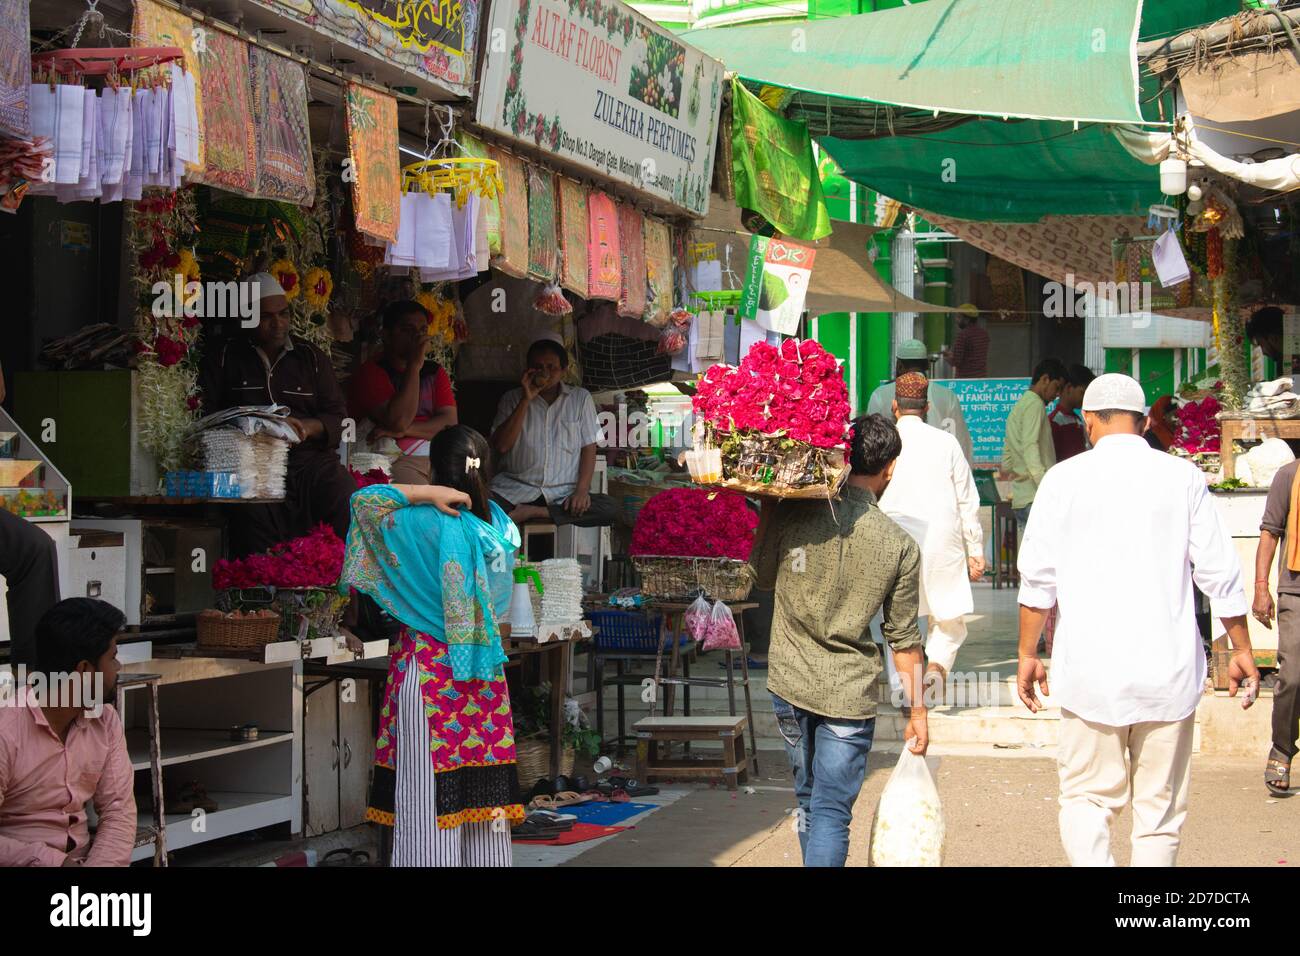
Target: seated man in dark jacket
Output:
{"points": [[266, 365]]}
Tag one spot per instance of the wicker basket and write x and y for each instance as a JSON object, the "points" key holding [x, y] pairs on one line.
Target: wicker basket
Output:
{"points": [[778, 467], [533, 759], [668, 578], [236, 631], [319, 610]]}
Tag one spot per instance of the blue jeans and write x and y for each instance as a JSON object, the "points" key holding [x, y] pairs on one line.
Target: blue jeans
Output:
{"points": [[829, 760]]}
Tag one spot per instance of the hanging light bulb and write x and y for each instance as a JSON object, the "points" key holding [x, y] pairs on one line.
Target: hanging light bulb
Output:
{"points": [[1173, 176], [1194, 192]]}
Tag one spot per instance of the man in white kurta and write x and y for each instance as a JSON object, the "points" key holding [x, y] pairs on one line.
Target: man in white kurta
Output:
{"points": [[933, 498], [1116, 537]]}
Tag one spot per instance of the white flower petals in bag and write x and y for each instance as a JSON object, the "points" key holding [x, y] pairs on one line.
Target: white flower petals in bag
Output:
{"points": [[908, 827]]}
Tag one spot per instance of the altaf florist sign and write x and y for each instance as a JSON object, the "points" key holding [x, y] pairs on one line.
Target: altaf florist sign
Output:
{"points": [[597, 84]]}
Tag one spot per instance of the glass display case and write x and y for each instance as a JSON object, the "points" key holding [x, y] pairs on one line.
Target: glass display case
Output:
{"points": [[30, 486]]}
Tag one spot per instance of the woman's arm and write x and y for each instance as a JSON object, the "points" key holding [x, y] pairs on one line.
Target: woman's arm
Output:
{"points": [[443, 498], [444, 418]]}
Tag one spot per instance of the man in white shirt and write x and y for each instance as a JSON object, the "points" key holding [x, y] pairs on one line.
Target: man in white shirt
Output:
{"points": [[933, 498], [545, 435], [1116, 538], [945, 408]]}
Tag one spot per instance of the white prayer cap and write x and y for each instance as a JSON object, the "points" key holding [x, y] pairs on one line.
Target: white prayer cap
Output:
{"points": [[267, 285], [1117, 391]]}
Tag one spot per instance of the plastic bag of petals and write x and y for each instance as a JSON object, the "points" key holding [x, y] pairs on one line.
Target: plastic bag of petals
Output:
{"points": [[722, 634], [697, 618], [675, 333], [551, 301], [908, 829]]}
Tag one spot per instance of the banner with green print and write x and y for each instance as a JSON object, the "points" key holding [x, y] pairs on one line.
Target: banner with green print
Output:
{"points": [[774, 169]]}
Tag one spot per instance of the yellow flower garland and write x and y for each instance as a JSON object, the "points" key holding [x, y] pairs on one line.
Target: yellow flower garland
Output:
{"points": [[318, 287], [286, 273]]}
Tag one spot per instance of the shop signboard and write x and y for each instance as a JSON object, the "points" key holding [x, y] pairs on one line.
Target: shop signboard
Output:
{"points": [[431, 39], [596, 84], [985, 404]]}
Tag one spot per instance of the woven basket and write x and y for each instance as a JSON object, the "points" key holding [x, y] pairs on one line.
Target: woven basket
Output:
{"points": [[320, 608], [217, 629], [676, 579], [533, 759], [632, 497], [778, 467]]}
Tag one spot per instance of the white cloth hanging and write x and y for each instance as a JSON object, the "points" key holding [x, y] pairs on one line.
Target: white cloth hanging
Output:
{"points": [[184, 115], [402, 252], [434, 246], [1282, 174], [114, 134], [135, 166]]}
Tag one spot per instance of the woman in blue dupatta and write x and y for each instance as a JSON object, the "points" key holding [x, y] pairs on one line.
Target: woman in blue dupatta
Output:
{"points": [[439, 559]]}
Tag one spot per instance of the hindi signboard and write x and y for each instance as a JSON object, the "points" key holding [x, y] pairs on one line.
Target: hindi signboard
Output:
{"points": [[596, 83], [985, 404]]}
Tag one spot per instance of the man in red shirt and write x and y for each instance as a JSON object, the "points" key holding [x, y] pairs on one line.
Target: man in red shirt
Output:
{"points": [[1069, 437], [969, 355], [406, 399]]}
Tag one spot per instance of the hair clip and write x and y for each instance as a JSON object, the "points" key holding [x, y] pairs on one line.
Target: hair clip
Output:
{"points": [[470, 464]]}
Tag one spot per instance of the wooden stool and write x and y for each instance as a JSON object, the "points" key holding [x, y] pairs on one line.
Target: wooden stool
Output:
{"points": [[651, 731], [156, 834]]}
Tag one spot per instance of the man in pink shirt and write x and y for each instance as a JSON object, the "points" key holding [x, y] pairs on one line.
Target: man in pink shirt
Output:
{"points": [[60, 746]]}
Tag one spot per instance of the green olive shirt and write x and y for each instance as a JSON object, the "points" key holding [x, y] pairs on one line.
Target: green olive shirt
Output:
{"points": [[833, 569]]}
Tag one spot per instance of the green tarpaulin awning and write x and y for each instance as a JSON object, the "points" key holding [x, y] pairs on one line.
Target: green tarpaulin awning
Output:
{"points": [[1034, 59]]}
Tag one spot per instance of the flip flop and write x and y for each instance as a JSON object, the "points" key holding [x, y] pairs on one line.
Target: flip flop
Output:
{"points": [[568, 798], [633, 788], [1277, 774]]}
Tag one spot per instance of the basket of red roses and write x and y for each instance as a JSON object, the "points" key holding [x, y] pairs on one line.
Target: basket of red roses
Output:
{"points": [[780, 422], [688, 540], [295, 579]]}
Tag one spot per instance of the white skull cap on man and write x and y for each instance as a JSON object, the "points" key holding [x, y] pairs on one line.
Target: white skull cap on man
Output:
{"points": [[1116, 391], [267, 285]]}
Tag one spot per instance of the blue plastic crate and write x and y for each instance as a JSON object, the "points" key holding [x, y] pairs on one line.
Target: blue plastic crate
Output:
{"points": [[628, 631]]}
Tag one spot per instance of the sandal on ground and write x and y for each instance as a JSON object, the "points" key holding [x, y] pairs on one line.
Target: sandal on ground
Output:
{"points": [[542, 802], [562, 821], [633, 788], [569, 798], [1277, 773], [345, 856]]}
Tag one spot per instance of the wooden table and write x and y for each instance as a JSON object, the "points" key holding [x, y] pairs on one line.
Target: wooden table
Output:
{"points": [[1251, 429], [557, 657]]}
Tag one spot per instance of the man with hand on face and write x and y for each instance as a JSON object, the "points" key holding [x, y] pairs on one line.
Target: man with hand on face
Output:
{"points": [[545, 434], [266, 365], [408, 399], [61, 747]]}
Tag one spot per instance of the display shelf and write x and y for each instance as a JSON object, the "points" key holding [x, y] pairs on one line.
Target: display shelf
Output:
{"points": [[237, 813], [184, 745]]}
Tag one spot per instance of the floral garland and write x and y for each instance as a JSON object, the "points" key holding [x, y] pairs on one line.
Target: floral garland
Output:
{"points": [[1229, 329], [160, 232], [447, 327]]}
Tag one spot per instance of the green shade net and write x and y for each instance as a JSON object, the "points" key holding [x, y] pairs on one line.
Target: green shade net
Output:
{"points": [[1041, 59], [997, 171]]}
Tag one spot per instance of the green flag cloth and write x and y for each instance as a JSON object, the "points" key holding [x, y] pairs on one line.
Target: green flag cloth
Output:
{"points": [[773, 166]]}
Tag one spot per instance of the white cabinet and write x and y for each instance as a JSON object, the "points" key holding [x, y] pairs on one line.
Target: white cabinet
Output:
{"points": [[339, 749]]}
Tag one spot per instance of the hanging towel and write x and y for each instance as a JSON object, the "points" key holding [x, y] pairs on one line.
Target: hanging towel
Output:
{"points": [[185, 116], [513, 260], [482, 244], [89, 187], [69, 130], [450, 226], [434, 243], [114, 133], [153, 132], [631, 248], [573, 237], [402, 251], [135, 167]]}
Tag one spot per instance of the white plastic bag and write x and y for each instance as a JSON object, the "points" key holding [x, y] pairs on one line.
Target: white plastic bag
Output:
{"points": [[697, 619], [722, 635], [908, 827]]}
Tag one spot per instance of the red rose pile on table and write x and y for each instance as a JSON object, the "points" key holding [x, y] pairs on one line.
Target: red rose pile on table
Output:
{"points": [[695, 523], [313, 561], [797, 389]]}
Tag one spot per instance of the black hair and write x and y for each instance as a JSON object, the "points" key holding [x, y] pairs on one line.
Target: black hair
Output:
{"points": [[903, 366], [75, 630], [1265, 321], [552, 346], [451, 453], [912, 404], [1080, 375], [875, 444], [1052, 368], [1106, 414], [395, 311]]}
